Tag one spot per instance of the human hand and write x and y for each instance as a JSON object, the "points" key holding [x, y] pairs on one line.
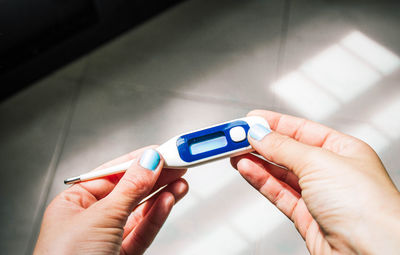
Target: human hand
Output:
{"points": [[103, 216], [335, 188]]}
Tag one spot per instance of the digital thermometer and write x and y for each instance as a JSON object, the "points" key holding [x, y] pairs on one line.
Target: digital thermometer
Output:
{"points": [[227, 139]]}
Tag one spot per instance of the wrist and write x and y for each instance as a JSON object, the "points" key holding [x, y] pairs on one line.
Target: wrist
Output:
{"points": [[380, 231]]}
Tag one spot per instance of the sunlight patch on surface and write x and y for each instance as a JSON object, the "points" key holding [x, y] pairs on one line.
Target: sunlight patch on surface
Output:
{"points": [[240, 231], [222, 174], [373, 53], [257, 218], [221, 240], [305, 97], [339, 74], [250, 219]]}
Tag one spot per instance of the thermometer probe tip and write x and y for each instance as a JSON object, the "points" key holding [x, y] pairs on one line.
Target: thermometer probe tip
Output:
{"points": [[72, 180]]}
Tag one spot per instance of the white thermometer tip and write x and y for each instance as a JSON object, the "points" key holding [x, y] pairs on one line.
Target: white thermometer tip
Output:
{"points": [[72, 180]]}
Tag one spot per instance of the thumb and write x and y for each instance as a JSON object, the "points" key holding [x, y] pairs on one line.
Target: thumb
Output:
{"points": [[136, 184], [281, 149]]}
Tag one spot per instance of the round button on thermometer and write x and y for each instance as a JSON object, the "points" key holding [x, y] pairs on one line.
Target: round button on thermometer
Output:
{"points": [[237, 134]]}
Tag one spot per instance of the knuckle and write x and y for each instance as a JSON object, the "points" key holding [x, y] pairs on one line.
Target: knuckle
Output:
{"points": [[136, 185], [140, 241], [279, 197], [278, 146], [155, 224]]}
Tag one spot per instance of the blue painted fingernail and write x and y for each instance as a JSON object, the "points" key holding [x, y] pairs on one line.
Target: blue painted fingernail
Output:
{"points": [[258, 132], [150, 159]]}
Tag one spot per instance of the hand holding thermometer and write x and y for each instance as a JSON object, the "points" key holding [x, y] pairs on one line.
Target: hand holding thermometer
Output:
{"points": [[227, 139]]}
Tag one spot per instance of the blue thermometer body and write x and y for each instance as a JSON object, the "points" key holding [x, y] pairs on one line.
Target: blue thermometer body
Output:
{"points": [[193, 148], [223, 140]]}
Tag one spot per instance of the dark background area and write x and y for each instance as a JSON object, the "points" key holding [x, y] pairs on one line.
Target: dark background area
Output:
{"points": [[37, 37]]}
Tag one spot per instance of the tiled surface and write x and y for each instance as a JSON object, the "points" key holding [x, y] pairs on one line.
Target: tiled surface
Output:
{"points": [[200, 63], [224, 215], [31, 124], [72, 71], [316, 29], [219, 49], [109, 122]]}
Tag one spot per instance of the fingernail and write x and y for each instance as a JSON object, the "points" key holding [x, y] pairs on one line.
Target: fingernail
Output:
{"points": [[150, 159], [258, 132]]}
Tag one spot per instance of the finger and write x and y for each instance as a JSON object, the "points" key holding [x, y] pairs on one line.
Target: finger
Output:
{"points": [[283, 150], [279, 173], [136, 184], [284, 197], [168, 176], [99, 188], [82, 196], [278, 192], [178, 189], [315, 134], [302, 130], [140, 238]]}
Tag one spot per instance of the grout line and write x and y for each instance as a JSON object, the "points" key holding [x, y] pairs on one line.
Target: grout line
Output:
{"points": [[282, 44], [284, 35], [185, 95], [210, 100], [52, 167], [361, 59]]}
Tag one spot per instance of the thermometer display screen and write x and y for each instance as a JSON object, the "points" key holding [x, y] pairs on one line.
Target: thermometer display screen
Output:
{"points": [[212, 143]]}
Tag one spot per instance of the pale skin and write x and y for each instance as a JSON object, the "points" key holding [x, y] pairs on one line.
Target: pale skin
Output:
{"points": [[334, 188], [103, 217]]}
